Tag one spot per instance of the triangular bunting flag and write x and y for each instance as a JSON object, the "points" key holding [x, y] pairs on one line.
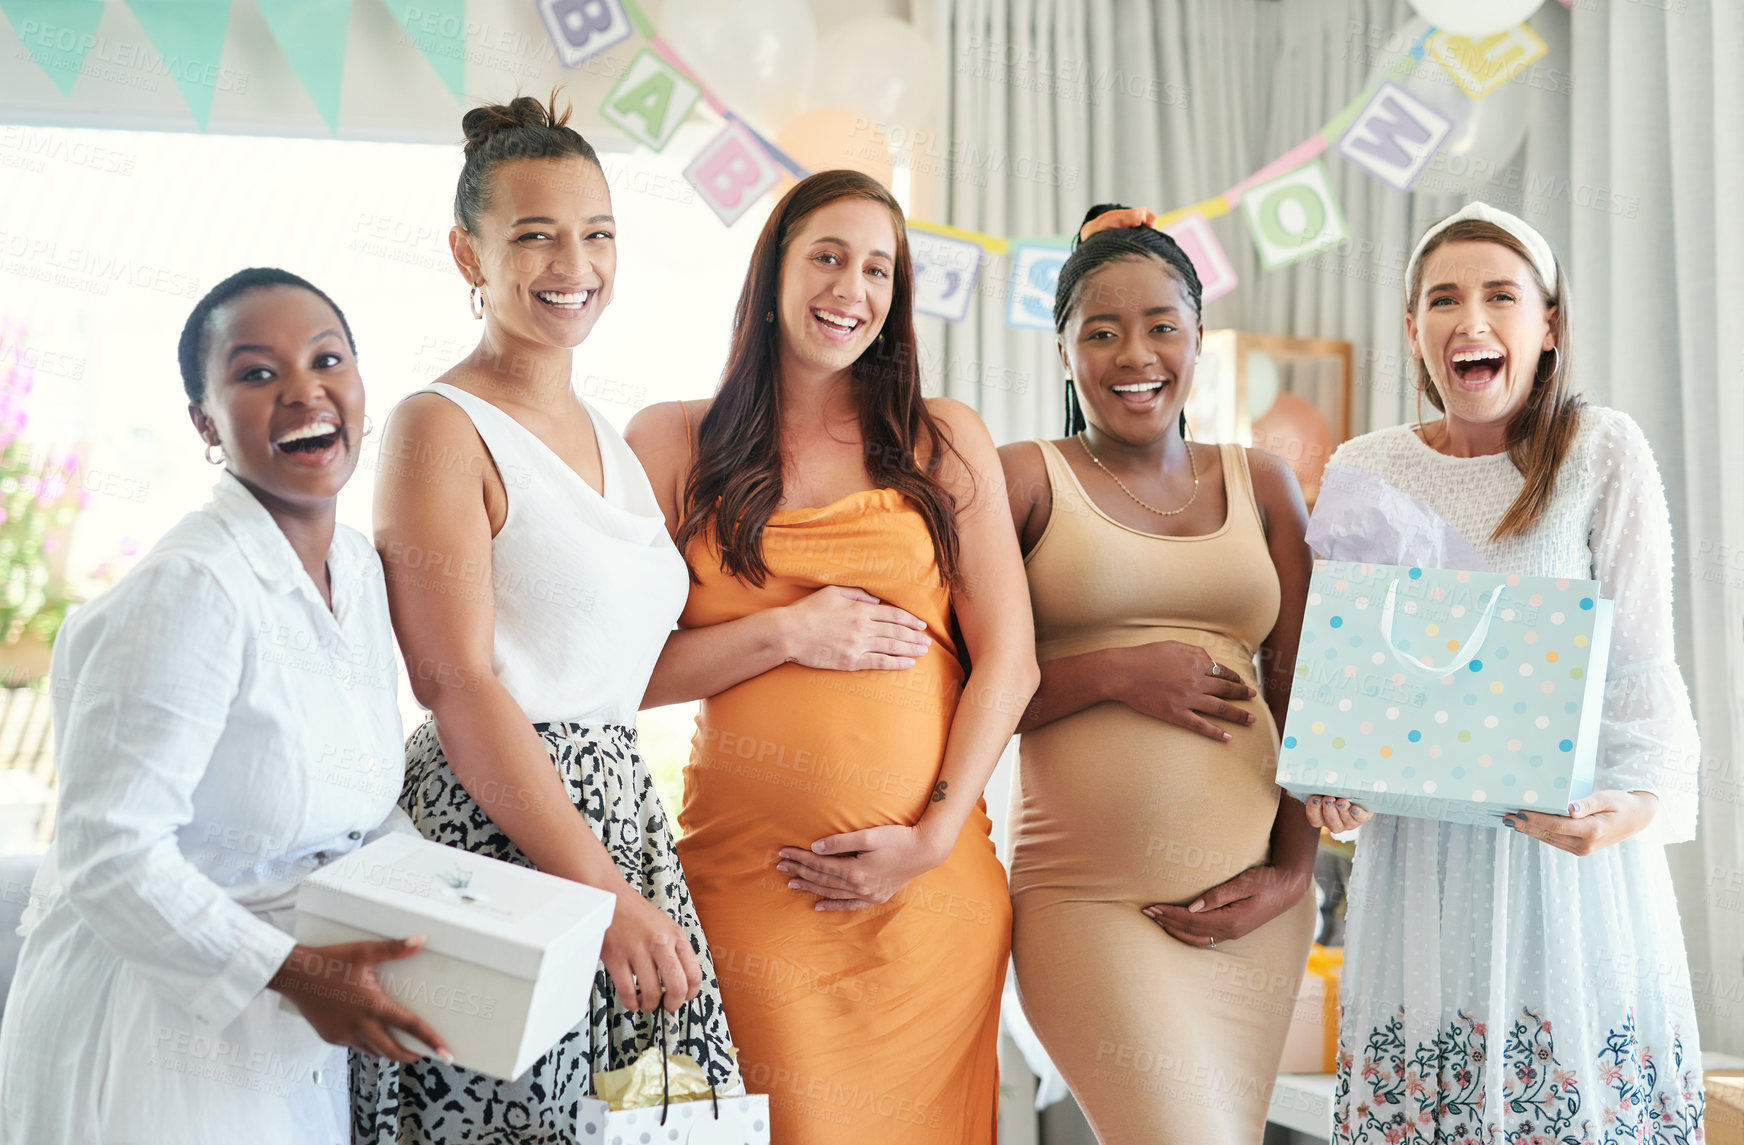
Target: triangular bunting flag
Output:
{"points": [[56, 33], [438, 27], [189, 35], [312, 35]]}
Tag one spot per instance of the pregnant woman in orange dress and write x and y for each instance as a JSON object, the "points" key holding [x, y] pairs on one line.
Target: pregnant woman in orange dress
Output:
{"points": [[851, 554]]}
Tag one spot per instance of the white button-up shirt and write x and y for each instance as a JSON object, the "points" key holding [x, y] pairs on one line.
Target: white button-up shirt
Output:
{"points": [[220, 733]]}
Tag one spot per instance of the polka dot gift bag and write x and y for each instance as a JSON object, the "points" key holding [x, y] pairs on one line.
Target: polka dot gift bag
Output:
{"points": [[1446, 694]]}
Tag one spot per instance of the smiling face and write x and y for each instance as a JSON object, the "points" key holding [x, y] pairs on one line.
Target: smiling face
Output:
{"points": [[1479, 324], [837, 275], [1130, 344], [545, 251], [283, 395]]}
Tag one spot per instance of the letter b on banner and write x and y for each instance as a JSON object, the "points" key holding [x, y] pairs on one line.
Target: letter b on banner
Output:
{"points": [[583, 28], [732, 172], [1293, 216]]}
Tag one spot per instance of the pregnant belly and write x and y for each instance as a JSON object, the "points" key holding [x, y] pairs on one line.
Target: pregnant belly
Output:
{"points": [[1115, 805], [797, 754]]}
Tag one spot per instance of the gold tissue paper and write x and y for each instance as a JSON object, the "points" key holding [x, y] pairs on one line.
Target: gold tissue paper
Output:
{"points": [[638, 1084]]}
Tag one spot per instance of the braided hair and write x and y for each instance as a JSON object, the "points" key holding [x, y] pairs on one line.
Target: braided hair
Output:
{"points": [[1091, 255]]}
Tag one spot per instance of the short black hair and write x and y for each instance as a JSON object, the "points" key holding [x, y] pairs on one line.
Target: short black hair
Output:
{"points": [[191, 350], [1092, 254]]}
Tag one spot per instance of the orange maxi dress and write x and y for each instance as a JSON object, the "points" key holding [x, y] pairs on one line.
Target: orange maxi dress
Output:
{"points": [[872, 1026]]}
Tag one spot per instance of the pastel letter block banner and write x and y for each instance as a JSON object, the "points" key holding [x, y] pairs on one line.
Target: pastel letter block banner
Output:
{"points": [[583, 28], [1194, 235], [651, 101], [1482, 66], [732, 172], [1293, 216], [1035, 274], [945, 272], [1446, 694], [1395, 136]]}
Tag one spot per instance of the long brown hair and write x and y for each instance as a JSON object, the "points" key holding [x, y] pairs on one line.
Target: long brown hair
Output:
{"points": [[736, 480], [1541, 431]]}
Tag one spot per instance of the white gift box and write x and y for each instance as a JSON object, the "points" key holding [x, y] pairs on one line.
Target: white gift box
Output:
{"points": [[508, 965]]}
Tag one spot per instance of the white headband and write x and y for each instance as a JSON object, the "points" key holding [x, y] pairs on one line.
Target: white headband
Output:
{"points": [[1543, 261]]}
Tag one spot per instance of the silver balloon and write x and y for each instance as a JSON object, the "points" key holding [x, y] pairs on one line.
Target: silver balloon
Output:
{"points": [[1486, 133]]}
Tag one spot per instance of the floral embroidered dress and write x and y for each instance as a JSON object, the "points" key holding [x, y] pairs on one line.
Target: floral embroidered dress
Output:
{"points": [[1497, 989]]}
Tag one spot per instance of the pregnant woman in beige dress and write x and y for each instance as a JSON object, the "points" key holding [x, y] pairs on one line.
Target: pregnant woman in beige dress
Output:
{"points": [[1157, 871]]}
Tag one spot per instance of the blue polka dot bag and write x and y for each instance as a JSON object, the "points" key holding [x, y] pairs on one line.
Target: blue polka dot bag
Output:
{"points": [[1446, 694]]}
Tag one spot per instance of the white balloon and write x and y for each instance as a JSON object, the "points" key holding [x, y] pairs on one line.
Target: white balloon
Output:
{"points": [[756, 55], [829, 13], [1262, 383], [1476, 18], [881, 68]]}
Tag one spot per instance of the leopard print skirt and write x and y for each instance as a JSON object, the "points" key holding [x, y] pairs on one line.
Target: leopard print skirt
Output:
{"points": [[428, 1103]]}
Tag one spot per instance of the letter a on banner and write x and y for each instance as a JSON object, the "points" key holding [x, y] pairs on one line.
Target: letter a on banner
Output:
{"points": [[1194, 236], [1293, 216], [651, 101], [583, 28], [1394, 136], [732, 172]]}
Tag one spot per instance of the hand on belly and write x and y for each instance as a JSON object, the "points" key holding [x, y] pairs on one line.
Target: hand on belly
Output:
{"points": [[859, 869], [1231, 909]]}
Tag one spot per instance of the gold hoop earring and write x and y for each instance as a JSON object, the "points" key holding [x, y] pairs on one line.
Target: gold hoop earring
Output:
{"points": [[477, 302], [220, 459]]}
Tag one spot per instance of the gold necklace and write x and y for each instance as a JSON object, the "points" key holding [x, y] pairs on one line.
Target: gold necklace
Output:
{"points": [[1191, 464]]}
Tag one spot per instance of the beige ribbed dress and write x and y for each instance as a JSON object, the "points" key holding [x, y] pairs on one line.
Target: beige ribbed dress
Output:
{"points": [[1161, 1042]]}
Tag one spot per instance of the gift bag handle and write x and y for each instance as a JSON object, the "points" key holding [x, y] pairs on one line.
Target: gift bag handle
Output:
{"points": [[665, 1053], [665, 1075], [1466, 653]]}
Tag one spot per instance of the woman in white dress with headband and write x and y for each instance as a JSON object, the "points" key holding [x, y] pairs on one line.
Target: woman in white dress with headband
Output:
{"points": [[1526, 982]]}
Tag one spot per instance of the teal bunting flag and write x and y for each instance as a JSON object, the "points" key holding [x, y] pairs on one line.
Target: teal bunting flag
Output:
{"points": [[57, 33], [438, 27], [312, 35], [189, 35]]}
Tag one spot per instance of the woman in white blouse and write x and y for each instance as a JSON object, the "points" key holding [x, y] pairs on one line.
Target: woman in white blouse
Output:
{"points": [[1526, 982], [225, 722]]}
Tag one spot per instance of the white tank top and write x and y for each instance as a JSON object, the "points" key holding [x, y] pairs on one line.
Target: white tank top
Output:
{"points": [[587, 587]]}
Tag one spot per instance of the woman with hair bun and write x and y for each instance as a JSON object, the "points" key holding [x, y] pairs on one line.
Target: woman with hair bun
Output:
{"points": [[533, 584], [1157, 870], [204, 772]]}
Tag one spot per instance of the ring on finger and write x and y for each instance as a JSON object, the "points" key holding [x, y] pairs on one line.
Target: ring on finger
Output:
{"points": [[1217, 669]]}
